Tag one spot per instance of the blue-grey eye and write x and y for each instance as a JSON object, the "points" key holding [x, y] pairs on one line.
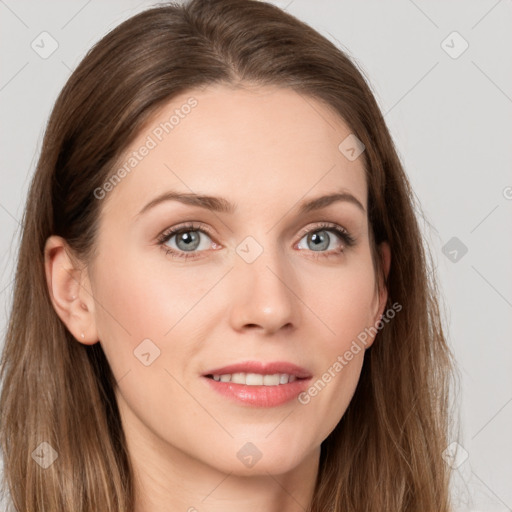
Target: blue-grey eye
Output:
{"points": [[186, 239], [189, 240], [319, 240]]}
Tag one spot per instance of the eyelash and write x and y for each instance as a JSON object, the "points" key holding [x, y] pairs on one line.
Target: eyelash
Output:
{"points": [[348, 240]]}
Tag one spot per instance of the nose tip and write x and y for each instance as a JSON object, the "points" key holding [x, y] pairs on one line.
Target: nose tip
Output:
{"points": [[262, 299]]}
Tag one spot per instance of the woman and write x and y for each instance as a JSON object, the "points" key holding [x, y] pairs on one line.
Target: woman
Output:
{"points": [[222, 298]]}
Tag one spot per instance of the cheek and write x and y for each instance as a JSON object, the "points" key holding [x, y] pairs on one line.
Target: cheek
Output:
{"points": [[139, 321], [134, 303], [331, 391], [343, 303], [141, 298], [150, 314]]}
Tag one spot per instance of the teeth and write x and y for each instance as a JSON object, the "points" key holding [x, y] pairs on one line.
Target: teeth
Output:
{"points": [[253, 379], [256, 379], [238, 378], [270, 380]]}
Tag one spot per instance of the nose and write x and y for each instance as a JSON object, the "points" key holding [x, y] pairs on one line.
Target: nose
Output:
{"points": [[263, 295]]}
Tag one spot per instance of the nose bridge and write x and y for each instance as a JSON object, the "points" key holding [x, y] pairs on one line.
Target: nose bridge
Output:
{"points": [[264, 286]]}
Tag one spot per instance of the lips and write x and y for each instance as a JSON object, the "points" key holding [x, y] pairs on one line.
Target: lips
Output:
{"points": [[262, 368], [270, 394]]}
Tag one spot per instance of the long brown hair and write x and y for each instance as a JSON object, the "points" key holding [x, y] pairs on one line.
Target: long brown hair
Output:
{"points": [[385, 454]]}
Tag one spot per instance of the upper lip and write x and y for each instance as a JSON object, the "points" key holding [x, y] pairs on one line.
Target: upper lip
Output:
{"points": [[269, 368]]}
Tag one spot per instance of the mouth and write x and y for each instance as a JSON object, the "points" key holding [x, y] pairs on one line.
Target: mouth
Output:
{"points": [[259, 384]]}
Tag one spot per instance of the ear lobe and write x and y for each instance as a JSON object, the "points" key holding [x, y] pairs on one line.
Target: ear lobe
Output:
{"points": [[72, 302]]}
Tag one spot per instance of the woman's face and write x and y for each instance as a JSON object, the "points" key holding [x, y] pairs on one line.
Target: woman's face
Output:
{"points": [[254, 288]]}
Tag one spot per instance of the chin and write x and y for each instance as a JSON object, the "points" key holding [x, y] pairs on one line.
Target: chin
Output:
{"points": [[259, 457]]}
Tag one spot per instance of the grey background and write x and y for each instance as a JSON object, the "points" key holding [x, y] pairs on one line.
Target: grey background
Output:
{"points": [[451, 120]]}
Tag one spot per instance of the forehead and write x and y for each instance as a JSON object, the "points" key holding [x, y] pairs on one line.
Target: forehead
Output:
{"points": [[266, 142]]}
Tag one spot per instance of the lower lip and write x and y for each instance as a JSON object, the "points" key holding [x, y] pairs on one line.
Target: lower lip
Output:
{"points": [[259, 396]]}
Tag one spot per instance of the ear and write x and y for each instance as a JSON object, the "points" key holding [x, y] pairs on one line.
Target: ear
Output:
{"points": [[69, 288], [385, 258]]}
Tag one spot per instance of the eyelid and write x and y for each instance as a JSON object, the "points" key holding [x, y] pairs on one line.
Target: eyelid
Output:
{"points": [[188, 226], [323, 225]]}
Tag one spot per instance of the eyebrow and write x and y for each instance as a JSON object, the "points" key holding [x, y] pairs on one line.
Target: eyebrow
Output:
{"points": [[222, 205]]}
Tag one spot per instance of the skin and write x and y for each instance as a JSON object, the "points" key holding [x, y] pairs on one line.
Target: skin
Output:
{"points": [[266, 150]]}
